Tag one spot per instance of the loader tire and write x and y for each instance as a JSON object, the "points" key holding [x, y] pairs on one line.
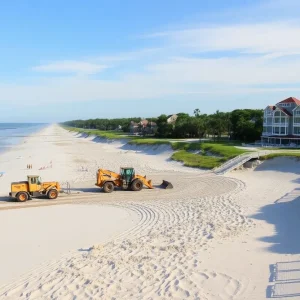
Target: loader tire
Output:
{"points": [[108, 187], [22, 197], [136, 185], [52, 194]]}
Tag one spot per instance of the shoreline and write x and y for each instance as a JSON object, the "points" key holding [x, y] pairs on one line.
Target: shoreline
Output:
{"points": [[22, 139]]}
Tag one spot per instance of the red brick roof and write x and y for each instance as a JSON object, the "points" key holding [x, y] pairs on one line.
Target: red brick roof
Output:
{"points": [[290, 100]]}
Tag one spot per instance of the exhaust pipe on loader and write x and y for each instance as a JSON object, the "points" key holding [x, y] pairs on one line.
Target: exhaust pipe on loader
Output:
{"points": [[166, 185]]}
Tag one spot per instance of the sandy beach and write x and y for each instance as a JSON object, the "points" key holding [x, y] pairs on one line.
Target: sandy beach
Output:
{"points": [[211, 237]]}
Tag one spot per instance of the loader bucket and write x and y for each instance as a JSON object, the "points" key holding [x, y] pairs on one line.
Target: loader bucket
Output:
{"points": [[166, 185]]}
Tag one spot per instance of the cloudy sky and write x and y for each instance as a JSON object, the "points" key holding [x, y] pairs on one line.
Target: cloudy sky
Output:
{"points": [[63, 60]]}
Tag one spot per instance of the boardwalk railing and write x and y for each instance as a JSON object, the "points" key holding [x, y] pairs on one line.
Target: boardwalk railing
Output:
{"points": [[238, 161]]}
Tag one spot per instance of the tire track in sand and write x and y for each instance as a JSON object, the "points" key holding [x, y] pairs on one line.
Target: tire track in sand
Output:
{"points": [[160, 257]]}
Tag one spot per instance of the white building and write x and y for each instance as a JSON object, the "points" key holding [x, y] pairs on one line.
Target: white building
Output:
{"points": [[282, 123]]}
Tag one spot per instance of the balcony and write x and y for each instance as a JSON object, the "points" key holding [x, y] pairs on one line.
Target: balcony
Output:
{"points": [[266, 133], [281, 124]]}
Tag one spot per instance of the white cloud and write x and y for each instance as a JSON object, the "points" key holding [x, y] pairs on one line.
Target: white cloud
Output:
{"points": [[69, 66], [247, 38], [231, 71], [170, 71]]}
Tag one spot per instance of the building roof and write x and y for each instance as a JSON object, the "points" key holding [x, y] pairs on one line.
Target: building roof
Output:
{"points": [[284, 110], [144, 122], [272, 107], [290, 100]]}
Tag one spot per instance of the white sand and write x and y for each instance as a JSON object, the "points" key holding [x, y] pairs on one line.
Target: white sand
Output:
{"points": [[44, 233], [211, 237]]}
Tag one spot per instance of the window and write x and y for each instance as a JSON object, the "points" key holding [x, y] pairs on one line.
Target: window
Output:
{"points": [[267, 129], [285, 104], [268, 112], [297, 130], [297, 120], [277, 120], [277, 113], [276, 130], [282, 130], [297, 112]]}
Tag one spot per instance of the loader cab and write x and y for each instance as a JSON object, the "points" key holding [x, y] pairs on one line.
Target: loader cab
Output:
{"points": [[34, 183], [127, 174]]}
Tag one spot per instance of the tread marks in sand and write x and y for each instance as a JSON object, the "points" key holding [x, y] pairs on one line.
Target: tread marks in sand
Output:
{"points": [[159, 257]]}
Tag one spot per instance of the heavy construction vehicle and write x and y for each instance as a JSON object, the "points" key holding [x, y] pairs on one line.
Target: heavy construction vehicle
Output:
{"points": [[34, 187], [127, 179]]}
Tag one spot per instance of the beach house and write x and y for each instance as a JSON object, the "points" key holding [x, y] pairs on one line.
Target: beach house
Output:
{"points": [[281, 125], [143, 127]]}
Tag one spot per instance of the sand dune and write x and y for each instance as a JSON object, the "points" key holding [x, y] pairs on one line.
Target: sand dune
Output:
{"points": [[211, 237]]}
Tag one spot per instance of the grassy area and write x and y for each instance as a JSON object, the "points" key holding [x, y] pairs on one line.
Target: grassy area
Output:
{"points": [[139, 140], [102, 133], [197, 160], [205, 159], [280, 154], [147, 141], [226, 150], [211, 155]]}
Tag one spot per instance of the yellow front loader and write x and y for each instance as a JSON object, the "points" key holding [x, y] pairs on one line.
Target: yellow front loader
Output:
{"points": [[34, 187], [127, 179]]}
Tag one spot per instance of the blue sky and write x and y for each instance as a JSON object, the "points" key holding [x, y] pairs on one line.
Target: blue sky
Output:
{"points": [[63, 60]]}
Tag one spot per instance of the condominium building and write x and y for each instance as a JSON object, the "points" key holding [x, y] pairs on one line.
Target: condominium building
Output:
{"points": [[282, 123]]}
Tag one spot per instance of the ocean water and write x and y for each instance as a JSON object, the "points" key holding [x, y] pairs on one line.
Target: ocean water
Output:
{"points": [[12, 133]]}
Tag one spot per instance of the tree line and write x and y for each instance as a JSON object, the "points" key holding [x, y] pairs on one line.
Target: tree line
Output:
{"points": [[240, 124]]}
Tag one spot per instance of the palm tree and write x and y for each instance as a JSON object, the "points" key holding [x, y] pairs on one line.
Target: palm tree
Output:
{"points": [[197, 112]]}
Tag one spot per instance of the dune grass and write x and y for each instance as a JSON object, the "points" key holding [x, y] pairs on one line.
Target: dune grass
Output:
{"points": [[280, 154], [147, 141], [197, 160], [102, 133], [228, 151], [139, 140], [210, 154]]}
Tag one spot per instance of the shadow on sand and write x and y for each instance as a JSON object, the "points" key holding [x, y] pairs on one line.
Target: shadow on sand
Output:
{"points": [[286, 165], [7, 199], [284, 214], [99, 190]]}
